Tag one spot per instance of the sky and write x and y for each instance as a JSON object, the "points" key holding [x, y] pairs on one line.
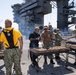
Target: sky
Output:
{"points": [[6, 13]]}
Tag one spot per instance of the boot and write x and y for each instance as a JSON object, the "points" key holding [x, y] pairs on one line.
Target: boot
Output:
{"points": [[57, 57], [51, 61]]}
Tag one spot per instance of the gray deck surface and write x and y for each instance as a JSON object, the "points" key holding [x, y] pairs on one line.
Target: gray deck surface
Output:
{"points": [[58, 68]]}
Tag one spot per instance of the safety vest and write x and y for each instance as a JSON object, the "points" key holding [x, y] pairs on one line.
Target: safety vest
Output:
{"points": [[9, 36]]}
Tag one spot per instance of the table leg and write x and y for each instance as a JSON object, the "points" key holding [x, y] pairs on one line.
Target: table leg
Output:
{"points": [[66, 59], [75, 56]]}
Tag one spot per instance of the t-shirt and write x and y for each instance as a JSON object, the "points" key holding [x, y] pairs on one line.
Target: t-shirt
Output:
{"points": [[58, 39], [16, 36], [47, 36], [34, 43]]}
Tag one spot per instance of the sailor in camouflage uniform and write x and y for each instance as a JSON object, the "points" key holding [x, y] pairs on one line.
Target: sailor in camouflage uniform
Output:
{"points": [[13, 44], [58, 40], [47, 39]]}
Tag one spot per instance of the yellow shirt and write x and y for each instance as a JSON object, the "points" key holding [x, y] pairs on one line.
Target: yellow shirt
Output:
{"points": [[0, 37], [16, 36]]}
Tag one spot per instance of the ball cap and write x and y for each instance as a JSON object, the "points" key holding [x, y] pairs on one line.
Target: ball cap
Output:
{"points": [[57, 29], [36, 28]]}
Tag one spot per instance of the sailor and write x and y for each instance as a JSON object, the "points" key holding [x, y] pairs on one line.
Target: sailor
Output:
{"points": [[74, 36], [34, 43], [13, 43], [58, 40], [50, 28], [47, 42]]}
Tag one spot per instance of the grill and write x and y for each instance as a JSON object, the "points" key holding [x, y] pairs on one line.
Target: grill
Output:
{"points": [[51, 50], [71, 45]]}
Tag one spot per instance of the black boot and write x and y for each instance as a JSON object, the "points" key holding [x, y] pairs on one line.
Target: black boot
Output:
{"points": [[51, 61], [45, 60], [57, 57]]}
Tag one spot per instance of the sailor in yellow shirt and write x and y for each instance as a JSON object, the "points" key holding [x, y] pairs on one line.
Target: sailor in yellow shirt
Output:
{"points": [[0, 38], [16, 36], [13, 44]]}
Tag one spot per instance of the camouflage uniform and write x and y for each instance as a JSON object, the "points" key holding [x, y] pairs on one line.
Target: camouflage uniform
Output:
{"points": [[13, 55], [47, 45], [58, 40], [47, 36]]}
